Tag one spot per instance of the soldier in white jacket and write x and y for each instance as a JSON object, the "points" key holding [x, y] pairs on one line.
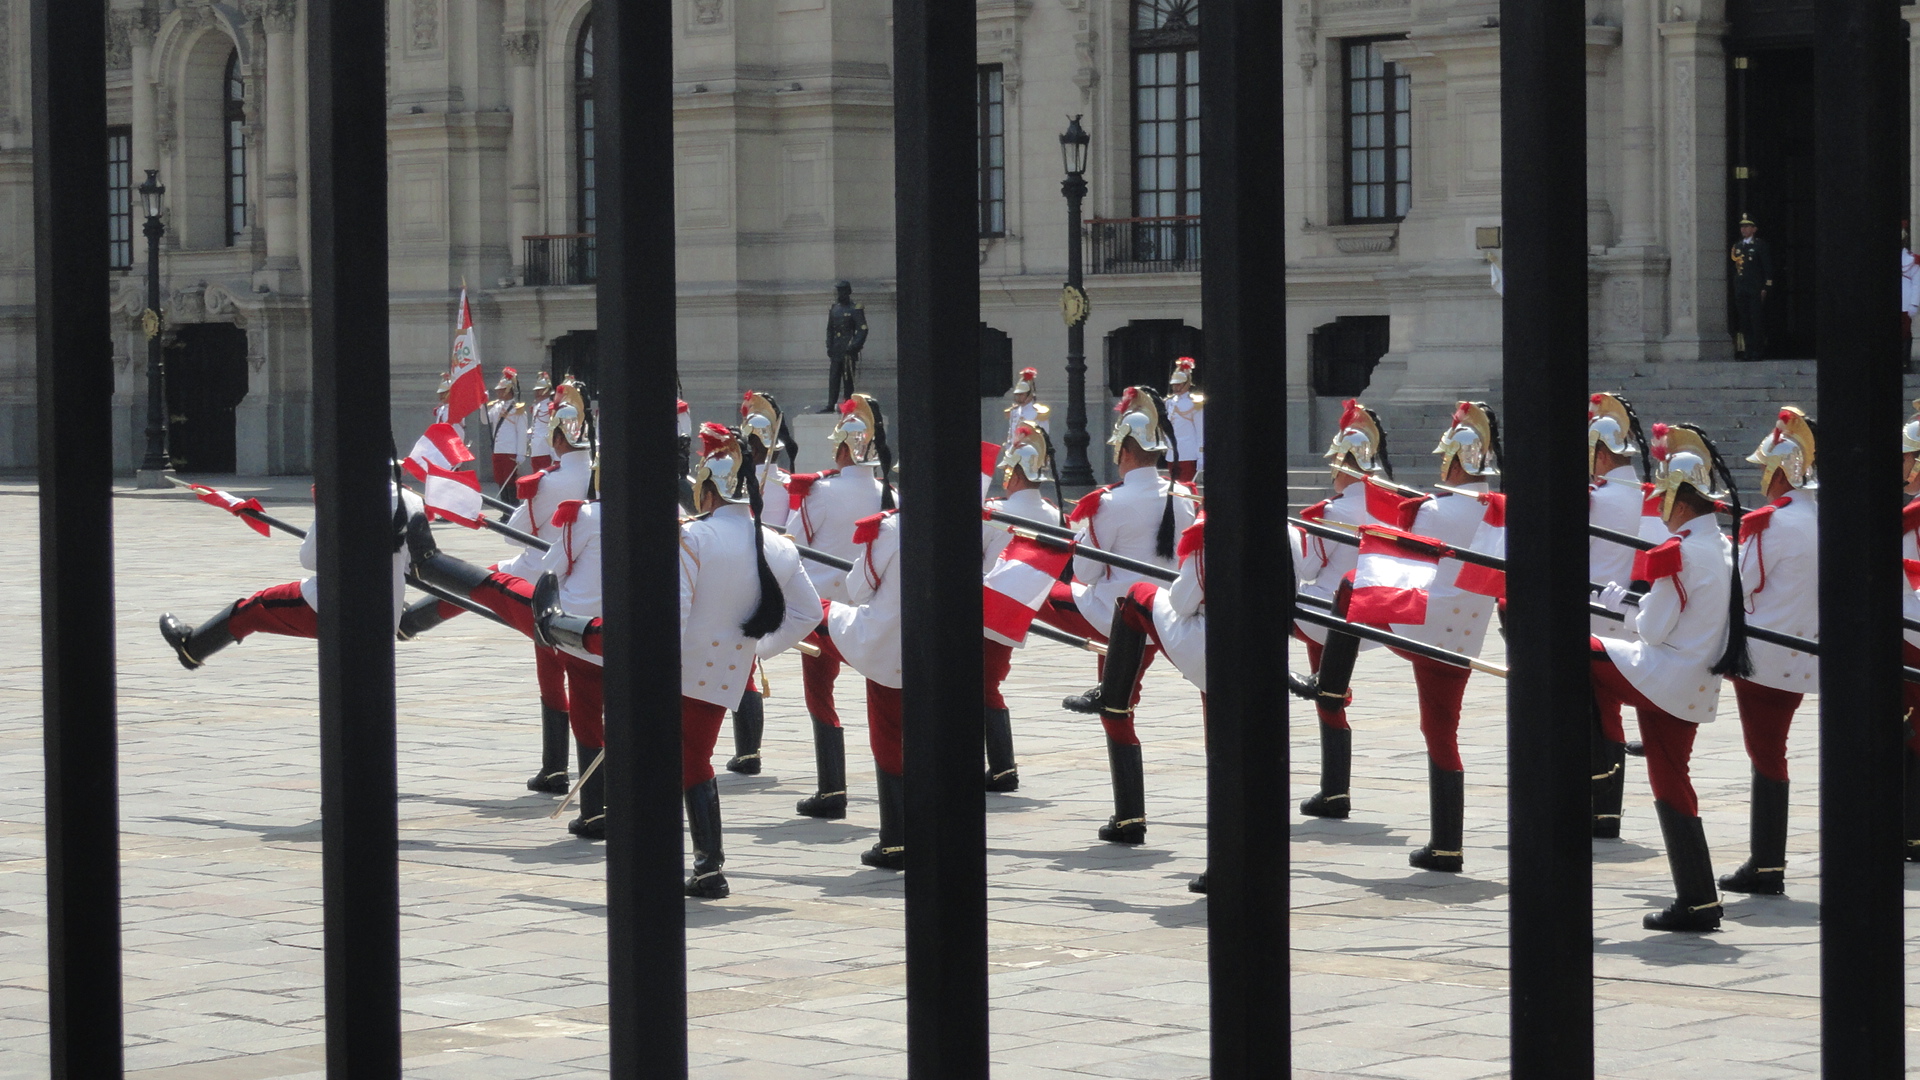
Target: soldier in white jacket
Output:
{"points": [[1026, 462], [864, 631], [1910, 608], [825, 507], [763, 434], [290, 609], [1689, 630], [1026, 410], [1616, 495], [1187, 415], [743, 596], [539, 447], [507, 419], [1780, 570]]}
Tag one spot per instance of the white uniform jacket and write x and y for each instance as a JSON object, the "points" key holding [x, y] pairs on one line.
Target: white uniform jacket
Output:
{"points": [[575, 560], [1613, 502], [1187, 414], [1026, 503], [1319, 566], [1180, 611], [1910, 552], [1682, 628], [1780, 571], [540, 495], [509, 420], [1456, 620], [826, 505], [775, 504], [719, 590], [310, 557], [866, 628], [1125, 522], [440, 414], [541, 445]]}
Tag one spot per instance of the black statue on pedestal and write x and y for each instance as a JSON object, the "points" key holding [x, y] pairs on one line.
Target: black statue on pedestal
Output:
{"points": [[846, 336]]}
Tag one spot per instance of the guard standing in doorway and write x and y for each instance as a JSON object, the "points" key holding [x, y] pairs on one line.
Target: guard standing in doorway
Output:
{"points": [[1752, 278]]}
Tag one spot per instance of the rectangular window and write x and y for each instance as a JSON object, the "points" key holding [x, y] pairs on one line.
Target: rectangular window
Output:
{"points": [[990, 98], [120, 197], [1379, 128]]}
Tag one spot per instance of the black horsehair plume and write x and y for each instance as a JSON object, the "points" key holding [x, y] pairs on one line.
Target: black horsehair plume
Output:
{"points": [[1735, 660], [1163, 542], [1047, 441], [1380, 451], [772, 609], [1493, 443], [1639, 437], [886, 456], [399, 499]]}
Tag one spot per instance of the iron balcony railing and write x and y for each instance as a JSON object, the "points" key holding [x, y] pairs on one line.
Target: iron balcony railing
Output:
{"points": [[561, 259], [1143, 245]]}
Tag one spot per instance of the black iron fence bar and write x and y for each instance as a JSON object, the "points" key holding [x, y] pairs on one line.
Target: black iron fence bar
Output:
{"points": [[1543, 140], [1142, 245], [937, 266], [560, 259], [646, 906], [74, 378], [1243, 303], [352, 482], [1859, 72]]}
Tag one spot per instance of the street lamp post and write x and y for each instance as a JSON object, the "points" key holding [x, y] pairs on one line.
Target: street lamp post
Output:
{"points": [[154, 466], [1074, 308]]}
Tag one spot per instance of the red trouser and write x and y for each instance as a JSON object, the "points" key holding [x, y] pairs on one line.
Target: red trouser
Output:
{"points": [[1182, 471], [699, 730], [997, 662], [1910, 656], [552, 675], [1668, 739], [276, 610], [1333, 718], [883, 705], [818, 673], [502, 468], [584, 712], [511, 598], [1062, 613], [1440, 687], [540, 463], [1765, 716]]}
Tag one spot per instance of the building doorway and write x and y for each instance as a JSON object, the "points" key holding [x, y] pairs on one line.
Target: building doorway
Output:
{"points": [[206, 378], [576, 355], [1142, 353]]}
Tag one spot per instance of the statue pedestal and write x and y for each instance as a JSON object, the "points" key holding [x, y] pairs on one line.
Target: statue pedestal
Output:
{"points": [[810, 434]]}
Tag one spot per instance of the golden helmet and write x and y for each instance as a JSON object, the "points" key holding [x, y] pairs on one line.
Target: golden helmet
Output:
{"points": [[722, 460], [1359, 439], [509, 380], [1610, 423], [1029, 452], [1028, 381], [1473, 439], [760, 420], [569, 416], [1182, 375], [543, 385], [446, 383], [1140, 420], [1685, 459], [858, 428], [1788, 448]]}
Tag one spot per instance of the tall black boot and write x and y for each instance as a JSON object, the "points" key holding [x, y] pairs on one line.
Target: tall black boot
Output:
{"points": [[1002, 773], [1199, 884], [889, 852], [194, 646], [592, 822], [830, 760], [1336, 774], [1912, 805], [1609, 784], [419, 617], [709, 855], [749, 721], [1126, 649], [436, 567], [1696, 907], [554, 737], [1447, 795], [1128, 825], [1765, 871]]}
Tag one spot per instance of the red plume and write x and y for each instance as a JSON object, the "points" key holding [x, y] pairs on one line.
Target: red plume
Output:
{"points": [[1596, 398], [1350, 413], [847, 407], [1126, 400], [681, 406], [745, 400], [1786, 417], [1023, 431], [1660, 441], [1185, 363], [1029, 373], [713, 437], [1460, 413]]}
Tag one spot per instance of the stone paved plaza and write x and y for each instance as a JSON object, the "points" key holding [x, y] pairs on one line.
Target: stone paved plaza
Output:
{"points": [[1098, 951]]}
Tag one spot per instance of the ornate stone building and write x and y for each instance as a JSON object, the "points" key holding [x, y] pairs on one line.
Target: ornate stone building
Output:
{"points": [[1697, 111]]}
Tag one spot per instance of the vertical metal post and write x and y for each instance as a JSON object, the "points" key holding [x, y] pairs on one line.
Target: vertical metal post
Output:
{"points": [[936, 232], [646, 908], [74, 374], [1243, 303], [1543, 184], [1858, 204], [155, 460], [346, 121], [1076, 470]]}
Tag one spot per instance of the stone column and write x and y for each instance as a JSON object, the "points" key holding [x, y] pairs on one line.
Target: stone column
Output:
{"points": [[523, 51], [142, 23], [1636, 123], [282, 180], [1912, 15], [1697, 186], [1601, 42]]}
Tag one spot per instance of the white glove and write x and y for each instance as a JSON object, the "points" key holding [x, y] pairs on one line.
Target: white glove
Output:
{"points": [[1614, 597]]}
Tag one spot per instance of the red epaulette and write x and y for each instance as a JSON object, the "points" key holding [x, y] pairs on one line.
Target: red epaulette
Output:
{"points": [[1658, 562], [1192, 539], [1393, 508], [1756, 521], [567, 512], [1650, 501], [1912, 567], [527, 485], [1088, 505], [867, 529], [798, 484], [1496, 515], [1910, 517], [1316, 512]]}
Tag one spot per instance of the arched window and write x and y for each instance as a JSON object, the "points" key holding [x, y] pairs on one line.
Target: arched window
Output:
{"points": [[1166, 128], [588, 212], [235, 115]]}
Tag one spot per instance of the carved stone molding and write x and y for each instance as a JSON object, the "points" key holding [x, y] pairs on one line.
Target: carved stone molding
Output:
{"points": [[424, 35], [277, 16], [1087, 72], [163, 127], [188, 304], [219, 304], [119, 40], [522, 46], [708, 12]]}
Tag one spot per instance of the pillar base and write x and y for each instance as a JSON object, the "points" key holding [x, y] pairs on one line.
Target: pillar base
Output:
{"points": [[147, 479]]}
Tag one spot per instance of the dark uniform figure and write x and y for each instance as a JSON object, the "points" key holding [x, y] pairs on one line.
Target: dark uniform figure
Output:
{"points": [[846, 336], [1752, 277]]}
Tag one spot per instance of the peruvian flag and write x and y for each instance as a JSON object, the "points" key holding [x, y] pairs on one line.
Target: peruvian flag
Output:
{"points": [[469, 384], [1489, 539], [441, 446], [1018, 584], [1390, 581], [234, 505], [452, 496], [989, 457]]}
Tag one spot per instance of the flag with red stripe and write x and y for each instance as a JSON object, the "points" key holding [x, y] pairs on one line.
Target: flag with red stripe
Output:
{"points": [[1391, 579], [1018, 584], [989, 457], [442, 446], [452, 496], [1391, 508], [1489, 538], [234, 505], [469, 390]]}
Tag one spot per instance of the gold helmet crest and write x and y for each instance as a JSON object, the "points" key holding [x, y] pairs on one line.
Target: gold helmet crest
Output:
{"points": [[1140, 420], [1610, 423], [1685, 460], [568, 420], [760, 420], [1027, 452], [722, 462], [1472, 439], [1787, 449], [1359, 439], [856, 428]]}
